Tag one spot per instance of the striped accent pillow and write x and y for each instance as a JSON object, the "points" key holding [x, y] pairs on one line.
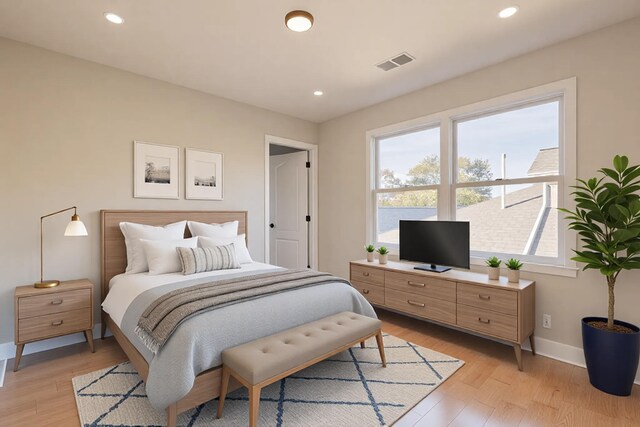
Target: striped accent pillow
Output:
{"points": [[197, 260]]}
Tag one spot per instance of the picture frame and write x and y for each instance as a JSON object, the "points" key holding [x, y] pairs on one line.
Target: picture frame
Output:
{"points": [[156, 171], [204, 175]]}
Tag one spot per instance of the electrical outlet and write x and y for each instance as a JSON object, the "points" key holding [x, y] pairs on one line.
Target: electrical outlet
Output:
{"points": [[546, 321]]}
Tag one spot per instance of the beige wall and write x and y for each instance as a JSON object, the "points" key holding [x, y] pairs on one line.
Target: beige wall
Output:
{"points": [[607, 66], [66, 132]]}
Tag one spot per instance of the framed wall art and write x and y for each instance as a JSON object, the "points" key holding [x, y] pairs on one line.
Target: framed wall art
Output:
{"points": [[156, 171], [204, 178]]}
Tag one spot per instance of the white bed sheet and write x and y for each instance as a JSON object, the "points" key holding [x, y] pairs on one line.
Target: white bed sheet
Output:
{"points": [[124, 288]]}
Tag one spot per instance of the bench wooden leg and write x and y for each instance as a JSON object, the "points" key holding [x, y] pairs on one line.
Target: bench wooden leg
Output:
{"points": [[224, 386], [362, 344], [381, 348], [254, 405], [172, 415]]}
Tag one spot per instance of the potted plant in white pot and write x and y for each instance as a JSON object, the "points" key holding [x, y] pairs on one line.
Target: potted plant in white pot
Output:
{"points": [[493, 267], [383, 254], [513, 269], [370, 250], [607, 219]]}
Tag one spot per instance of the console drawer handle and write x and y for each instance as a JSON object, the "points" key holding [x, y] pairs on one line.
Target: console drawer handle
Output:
{"points": [[365, 291], [481, 320], [416, 284], [484, 297], [58, 323], [365, 274], [56, 302], [419, 304]]}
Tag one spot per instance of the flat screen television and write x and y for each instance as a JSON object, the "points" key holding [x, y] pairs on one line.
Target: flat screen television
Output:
{"points": [[439, 244]]}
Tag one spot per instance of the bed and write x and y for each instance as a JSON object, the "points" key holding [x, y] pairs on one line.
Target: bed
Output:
{"points": [[197, 378]]}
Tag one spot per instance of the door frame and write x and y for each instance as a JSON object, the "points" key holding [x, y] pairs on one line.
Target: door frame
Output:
{"points": [[313, 194]]}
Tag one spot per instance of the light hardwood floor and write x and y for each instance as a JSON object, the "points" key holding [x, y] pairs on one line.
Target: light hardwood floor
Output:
{"points": [[488, 391]]}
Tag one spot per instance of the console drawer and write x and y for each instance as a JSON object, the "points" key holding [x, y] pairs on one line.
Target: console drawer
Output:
{"points": [[430, 308], [500, 300], [488, 322], [372, 293], [421, 285], [372, 275]]}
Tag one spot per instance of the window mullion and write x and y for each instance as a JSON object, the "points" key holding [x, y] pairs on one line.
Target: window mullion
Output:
{"points": [[445, 189]]}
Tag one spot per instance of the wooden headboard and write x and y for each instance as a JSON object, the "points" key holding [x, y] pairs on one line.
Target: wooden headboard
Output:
{"points": [[114, 253]]}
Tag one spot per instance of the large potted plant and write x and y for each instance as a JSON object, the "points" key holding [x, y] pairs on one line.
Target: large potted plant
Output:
{"points": [[607, 219]]}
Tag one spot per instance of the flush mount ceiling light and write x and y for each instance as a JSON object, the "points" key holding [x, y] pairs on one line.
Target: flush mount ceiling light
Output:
{"points": [[113, 18], [508, 12], [318, 93], [298, 20]]}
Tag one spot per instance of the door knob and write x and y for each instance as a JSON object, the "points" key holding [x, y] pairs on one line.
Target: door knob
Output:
{"points": [[272, 225]]}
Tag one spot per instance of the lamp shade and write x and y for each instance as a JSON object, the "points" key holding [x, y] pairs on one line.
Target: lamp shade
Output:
{"points": [[75, 227]]}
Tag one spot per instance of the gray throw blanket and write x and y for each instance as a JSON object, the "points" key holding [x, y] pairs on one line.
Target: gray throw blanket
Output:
{"points": [[165, 314]]}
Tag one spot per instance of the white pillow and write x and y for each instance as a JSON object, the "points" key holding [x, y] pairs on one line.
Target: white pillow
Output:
{"points": [[136, 258], [240, 245], [228, 229], [162, 255]]}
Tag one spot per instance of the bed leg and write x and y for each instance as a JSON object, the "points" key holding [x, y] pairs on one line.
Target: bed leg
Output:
{"points": [[103, 326], [172, 415], [362, 344]]}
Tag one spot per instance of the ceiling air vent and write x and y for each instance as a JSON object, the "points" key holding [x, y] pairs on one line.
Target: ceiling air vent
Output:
{"points": [[396, 61]]}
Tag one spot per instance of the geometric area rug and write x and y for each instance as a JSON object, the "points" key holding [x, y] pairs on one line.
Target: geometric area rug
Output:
{"points": [[348, 389]]}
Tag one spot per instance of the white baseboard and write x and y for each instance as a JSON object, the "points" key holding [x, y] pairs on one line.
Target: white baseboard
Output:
{"points": [[3, 367], [544, 347], [562, 352], [8, 349]]}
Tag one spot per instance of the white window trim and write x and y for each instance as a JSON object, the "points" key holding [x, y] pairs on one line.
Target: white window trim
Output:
{"points": [[566, 89]]}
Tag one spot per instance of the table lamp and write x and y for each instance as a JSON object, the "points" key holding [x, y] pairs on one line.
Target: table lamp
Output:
{"points": [[74, 228]]}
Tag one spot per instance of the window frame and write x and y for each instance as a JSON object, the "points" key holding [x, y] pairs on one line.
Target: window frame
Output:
{"points": [[563, 90]]}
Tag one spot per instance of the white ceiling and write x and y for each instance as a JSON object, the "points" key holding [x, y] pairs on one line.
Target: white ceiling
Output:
{"points": [[240, 49]]}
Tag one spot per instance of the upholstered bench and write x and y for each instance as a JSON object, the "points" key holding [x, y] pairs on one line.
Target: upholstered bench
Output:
{"points": [[264, 361]]}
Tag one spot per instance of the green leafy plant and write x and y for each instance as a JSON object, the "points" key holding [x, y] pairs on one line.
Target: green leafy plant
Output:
{"points": [[382, 250], [607, 219], [493, 261], [370, 248], [513, 264]]}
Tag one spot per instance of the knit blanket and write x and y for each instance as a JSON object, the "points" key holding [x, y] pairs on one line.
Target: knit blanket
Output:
{"points": [[161, 318]]}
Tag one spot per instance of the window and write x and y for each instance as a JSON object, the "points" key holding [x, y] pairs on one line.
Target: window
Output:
{"points": [[501, 165]]}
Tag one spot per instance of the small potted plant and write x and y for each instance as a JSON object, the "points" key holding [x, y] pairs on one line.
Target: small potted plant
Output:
{"points": [[370, 250], [493, 267], [383, 254], [513, 270]]}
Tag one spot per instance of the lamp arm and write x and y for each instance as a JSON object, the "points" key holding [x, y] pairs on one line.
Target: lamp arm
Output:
{"points": [[75, 208]]}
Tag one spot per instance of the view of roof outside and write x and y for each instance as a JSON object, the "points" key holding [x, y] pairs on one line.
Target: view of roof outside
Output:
{"points": [[526, 222]]}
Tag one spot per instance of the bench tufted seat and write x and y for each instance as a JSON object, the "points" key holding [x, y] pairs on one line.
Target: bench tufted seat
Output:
{"points": [[266, 360]]}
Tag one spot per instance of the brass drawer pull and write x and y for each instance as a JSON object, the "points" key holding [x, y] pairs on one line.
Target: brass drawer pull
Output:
{"points": [[481, 320], [418, 285], [484, 297], [365, 291], [58, 323], [365, 274], [419, 304], [56, 302]]}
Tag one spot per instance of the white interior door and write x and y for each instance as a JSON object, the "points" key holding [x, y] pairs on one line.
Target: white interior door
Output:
{"points": [[288, 206]]}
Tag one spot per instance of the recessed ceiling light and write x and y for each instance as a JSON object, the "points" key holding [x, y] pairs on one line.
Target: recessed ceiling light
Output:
{"points": [[113, 18], [318, 93], [298, 20], [508, 12]]}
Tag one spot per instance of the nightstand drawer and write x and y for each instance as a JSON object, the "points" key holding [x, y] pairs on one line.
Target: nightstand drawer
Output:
{"points": [[422, 285], [373, 293], [375, 276], [53, 325], [502, 301], [488, 322], [53, 303]]}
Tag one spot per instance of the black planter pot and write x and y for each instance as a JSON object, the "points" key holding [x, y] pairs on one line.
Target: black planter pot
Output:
{"points": [[612, 357]]}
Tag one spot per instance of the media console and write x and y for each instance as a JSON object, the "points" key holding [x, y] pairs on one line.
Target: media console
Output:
{"points": [[466, 300]]}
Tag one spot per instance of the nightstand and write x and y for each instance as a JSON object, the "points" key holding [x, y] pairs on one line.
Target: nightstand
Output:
{"points": [[52, 312]]}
